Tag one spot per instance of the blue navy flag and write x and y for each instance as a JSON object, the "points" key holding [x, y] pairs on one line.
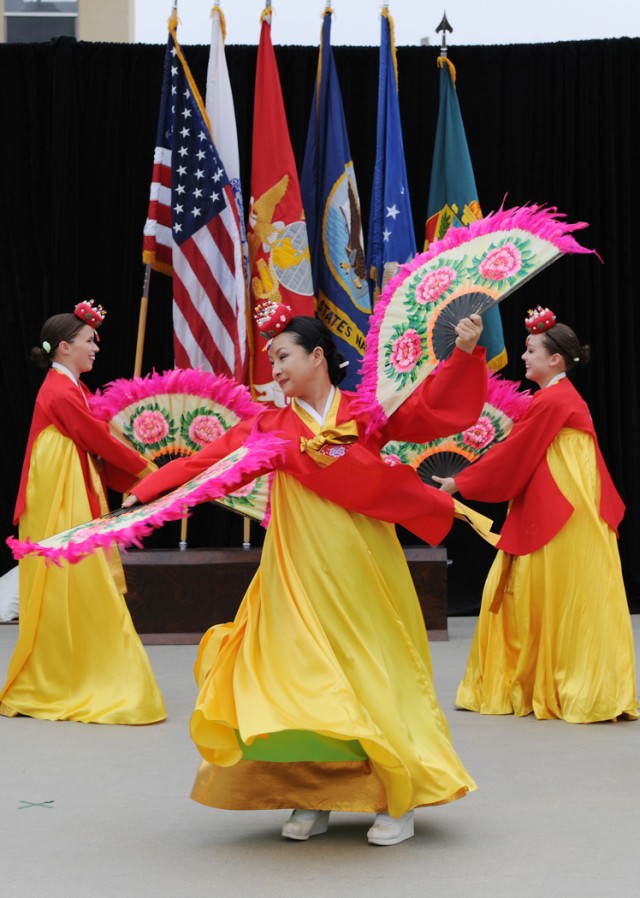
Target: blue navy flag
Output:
{"points": [[392, 239], [192, 230], [332, 209]]}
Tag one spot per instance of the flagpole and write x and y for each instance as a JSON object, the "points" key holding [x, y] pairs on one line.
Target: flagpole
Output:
{"points": [[246, 521], [182, 545], [144, 301], [142, 321]]}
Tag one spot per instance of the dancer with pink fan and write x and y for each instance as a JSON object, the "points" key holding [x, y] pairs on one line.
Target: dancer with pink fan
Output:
{"points": [[78, 656], [554, 633], [319, 695]]}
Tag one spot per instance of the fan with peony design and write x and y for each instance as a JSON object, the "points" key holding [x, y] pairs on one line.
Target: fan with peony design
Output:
{"points": [[174, 414], [470, 270], [445, 457]]}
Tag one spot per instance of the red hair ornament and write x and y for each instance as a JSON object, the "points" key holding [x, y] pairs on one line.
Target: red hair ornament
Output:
{"points": [[539, 320], [272, 318], [90, 314]]}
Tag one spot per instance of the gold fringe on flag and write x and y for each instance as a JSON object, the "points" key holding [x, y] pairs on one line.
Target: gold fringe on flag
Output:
{"points": [[223, 22]]}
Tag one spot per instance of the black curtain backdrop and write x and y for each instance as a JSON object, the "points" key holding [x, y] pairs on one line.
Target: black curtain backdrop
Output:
{"points": [[551, 123]]}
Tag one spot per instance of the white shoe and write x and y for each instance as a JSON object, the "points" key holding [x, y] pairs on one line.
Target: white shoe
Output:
{"points": [[388, 830], [301, 825]]}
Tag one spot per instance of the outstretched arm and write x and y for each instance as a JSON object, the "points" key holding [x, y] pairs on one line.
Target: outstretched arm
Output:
{"points": [[183, 469]]}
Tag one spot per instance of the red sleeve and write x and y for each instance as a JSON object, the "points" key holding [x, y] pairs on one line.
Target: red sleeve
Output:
{"points": [[68, 411], [62, 404], [446, 403], [183, 469], [506, 469]]}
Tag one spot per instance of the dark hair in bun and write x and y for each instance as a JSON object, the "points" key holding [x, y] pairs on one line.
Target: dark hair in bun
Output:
{"points": [[56, 330], [560, 338], [311, 332]]}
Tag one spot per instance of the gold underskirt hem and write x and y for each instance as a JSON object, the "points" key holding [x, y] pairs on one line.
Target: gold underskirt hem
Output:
{"points": [[267, 786]]}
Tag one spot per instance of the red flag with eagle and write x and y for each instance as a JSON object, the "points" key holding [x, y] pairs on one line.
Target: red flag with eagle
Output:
{"points": [[277, 233]]}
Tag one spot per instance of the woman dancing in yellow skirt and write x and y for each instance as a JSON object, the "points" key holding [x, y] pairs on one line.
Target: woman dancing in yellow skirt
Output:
{"points": [[319, 696], [554, 634], [78, 656]]}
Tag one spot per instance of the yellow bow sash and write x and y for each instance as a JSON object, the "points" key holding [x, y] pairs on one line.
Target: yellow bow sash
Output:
{"points": [[481, 524], [328, 445]]}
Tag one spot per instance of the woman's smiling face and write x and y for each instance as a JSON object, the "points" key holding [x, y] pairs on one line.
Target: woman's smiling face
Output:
{"points": [[541, 366], [79, 354], [294, 369]]}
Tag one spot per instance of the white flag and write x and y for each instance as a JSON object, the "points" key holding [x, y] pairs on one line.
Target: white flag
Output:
{"points": [[222, 116]]}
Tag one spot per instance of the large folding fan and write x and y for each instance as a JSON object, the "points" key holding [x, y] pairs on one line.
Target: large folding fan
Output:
{"points": [[469, 270], [174, 414], [505, 404]]}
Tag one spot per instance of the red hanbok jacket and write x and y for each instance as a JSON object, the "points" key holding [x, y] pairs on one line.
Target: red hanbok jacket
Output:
{"points": [[360, 481], [63, 404], [517, 470]]}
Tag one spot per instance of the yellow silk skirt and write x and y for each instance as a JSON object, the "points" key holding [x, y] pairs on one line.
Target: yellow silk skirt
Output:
{"points": [[554, 634], [320, 694], [78, 656]]}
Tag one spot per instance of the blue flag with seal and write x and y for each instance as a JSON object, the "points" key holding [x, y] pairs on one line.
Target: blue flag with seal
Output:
{"points": [[332, 209], [392, 239], [453, 195]]}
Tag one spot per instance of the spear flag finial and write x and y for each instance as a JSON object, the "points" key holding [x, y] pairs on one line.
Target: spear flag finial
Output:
{"points": [[444, 26]]}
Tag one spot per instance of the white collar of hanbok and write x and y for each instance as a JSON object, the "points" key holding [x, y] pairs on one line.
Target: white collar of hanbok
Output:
{"points": [[314, 414], [554, 380], [63, 370]]}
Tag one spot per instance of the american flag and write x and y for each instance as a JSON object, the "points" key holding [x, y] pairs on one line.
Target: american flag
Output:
{"points": [[193, 230]]}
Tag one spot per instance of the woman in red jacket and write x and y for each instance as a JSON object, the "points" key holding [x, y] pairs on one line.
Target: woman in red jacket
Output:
{"points": [[554, 634], [78, 656], [319, 696]]}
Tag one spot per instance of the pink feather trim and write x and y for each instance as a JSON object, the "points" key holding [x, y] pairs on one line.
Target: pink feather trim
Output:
{"points": [[118, 394], [542, 221], [506, 396], [264, 450]]}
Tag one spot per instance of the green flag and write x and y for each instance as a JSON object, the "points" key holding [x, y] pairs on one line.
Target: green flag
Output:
{"points": [[453, 196]]}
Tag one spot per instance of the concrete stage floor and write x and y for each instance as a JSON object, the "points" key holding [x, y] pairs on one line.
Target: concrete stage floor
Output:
{"points": [[555, 815]]}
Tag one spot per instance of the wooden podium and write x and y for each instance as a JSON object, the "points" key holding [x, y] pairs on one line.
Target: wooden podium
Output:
{"points": [[174, 596]]}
